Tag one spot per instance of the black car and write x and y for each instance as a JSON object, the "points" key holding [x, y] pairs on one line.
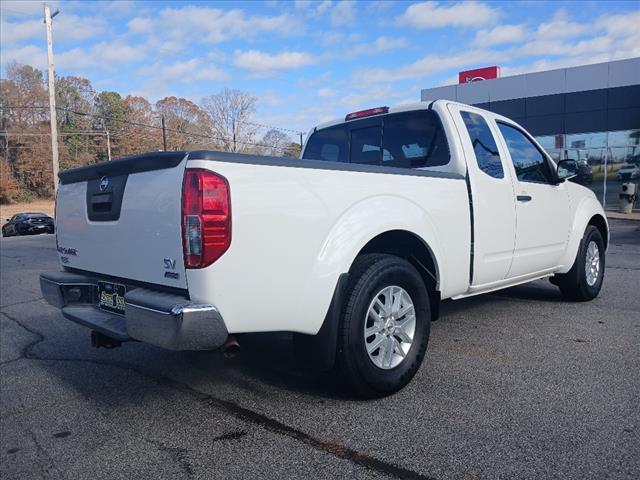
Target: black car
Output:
{"points": [[28, 224], [584, 175]]}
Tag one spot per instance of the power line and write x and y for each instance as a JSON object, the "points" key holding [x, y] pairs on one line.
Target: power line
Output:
{"points": [[24, 14], [129, 122]]}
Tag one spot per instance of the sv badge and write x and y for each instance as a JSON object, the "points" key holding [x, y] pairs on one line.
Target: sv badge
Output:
{"points": [[169, 263]]}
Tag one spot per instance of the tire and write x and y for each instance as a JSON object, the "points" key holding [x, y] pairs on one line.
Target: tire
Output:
{"points": [[4, 233], [396, 284], [579, 283]]}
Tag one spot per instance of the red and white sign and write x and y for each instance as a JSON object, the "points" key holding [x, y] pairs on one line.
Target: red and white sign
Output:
{"points": [[478, 74]]}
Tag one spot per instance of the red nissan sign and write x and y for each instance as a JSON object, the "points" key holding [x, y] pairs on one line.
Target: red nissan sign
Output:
{"points": [[478, 74]]}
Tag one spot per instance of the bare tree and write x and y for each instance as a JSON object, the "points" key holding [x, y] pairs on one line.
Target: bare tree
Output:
{"points": [[273, 143], [230, 110]]}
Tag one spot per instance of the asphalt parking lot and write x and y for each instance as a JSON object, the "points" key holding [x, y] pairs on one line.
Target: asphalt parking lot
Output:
{"points": [[517, 384]]}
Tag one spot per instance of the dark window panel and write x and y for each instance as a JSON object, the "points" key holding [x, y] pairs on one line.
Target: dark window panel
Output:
{"points": [[544, 125], [623, 118], [586, 101], [484, 145], [624, 97], [509, 108], [545, 105], [594, 121], [529, 162]]}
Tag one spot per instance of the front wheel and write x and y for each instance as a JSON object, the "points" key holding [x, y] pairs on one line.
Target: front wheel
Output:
{"points": [[584, 281], [385, 325]]}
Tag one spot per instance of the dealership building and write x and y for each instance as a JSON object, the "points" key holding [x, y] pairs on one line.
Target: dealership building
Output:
{"points": [[589, 113]]}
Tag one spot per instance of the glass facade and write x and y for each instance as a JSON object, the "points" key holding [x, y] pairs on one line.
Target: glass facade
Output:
{"points": [[600, 156]]}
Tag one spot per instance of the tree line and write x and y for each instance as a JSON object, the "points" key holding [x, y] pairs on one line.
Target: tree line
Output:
{"points": [[95, 125]]}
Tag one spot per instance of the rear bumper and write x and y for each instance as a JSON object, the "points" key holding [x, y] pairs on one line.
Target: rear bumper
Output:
{"points": [[166, 320]]}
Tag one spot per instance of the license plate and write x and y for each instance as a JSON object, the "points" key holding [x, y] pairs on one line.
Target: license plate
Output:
{"points": [[111, 297]]}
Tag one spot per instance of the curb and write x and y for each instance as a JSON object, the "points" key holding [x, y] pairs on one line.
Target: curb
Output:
{"points": [[635, 216]]}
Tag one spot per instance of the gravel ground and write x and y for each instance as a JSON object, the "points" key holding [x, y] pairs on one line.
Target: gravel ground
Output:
{"points": [[516, 384]]}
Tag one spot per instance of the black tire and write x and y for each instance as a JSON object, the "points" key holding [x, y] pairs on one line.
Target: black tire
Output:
{"points": [[4, 233], [368, 276], [573, 284]]}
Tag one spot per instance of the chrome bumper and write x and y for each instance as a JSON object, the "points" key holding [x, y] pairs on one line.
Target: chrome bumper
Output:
{"points": [[166, 320]]}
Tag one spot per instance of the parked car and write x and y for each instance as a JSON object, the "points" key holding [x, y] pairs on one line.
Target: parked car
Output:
{"points": [[629, 171], [351, 247], [584, 175], [28, 224]]}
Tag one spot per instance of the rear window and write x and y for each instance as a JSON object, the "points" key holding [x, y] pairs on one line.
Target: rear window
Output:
{"points": [[35, 215], [407, 140], [329, 144]]}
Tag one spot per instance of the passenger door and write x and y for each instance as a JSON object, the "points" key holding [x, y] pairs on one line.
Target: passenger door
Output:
{"points": [[494, 213], [542, 205]]}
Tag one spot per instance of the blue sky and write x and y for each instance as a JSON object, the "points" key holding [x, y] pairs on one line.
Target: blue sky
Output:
{"points": [[307, 61]]}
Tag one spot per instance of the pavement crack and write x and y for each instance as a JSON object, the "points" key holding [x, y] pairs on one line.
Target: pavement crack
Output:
{"points": [[241, 413], [178, 455], [26, 350], [22, 303], [230, 436]]}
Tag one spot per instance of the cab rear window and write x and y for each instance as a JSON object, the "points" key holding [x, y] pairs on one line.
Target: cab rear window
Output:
{"points": [[413, 139]]}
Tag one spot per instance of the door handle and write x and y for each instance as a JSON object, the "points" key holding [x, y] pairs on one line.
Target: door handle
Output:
{"points": [[524, 198]]}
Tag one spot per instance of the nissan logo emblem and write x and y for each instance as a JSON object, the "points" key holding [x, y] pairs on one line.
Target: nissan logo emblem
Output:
{"points": [[104, 183]]}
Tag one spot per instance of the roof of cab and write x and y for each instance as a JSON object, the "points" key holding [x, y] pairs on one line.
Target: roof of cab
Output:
{"points": [[410, 107]]}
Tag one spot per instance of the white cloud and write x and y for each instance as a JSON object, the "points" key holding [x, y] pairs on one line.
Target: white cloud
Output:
{"points": [[379, 45], [462, 14], [262, 62], [325, 92], [14, 32], [67, 27], [428, 65], [27, 7], [331, 37], [624, 25], [343, 13], [103, 56], [140, 25], [183, 71], [28, 55], [560, 26], [500, 35], [215, 25]]}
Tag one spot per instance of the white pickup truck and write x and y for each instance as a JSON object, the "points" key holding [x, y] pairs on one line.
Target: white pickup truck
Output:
{"points": [[350, 247]]}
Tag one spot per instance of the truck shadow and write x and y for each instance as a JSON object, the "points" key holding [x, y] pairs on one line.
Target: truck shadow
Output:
{"points": [[265, 367]]}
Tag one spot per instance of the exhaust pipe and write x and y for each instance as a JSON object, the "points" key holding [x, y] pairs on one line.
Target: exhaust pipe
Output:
{"points": [[231, 347]]}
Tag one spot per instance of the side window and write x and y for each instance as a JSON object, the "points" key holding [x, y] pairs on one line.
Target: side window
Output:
{"points": [[529, 162], [484, 145], [328, 144], [414, 140], [365, 145]]}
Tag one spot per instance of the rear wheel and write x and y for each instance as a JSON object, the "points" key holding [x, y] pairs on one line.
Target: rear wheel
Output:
{"points": [[584, 281], [385, 325]]}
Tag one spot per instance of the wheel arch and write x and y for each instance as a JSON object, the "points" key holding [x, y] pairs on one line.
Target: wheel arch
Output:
{"points": [[588, 212], [409, 246], [600, 223]]}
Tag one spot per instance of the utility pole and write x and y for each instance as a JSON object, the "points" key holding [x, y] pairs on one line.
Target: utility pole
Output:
{"points": [[52, 96], [108, 146], [164, 134], [301, 141]]}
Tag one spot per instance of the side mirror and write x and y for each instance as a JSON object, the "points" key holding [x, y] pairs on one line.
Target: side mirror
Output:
{"points": [[567, 169]]}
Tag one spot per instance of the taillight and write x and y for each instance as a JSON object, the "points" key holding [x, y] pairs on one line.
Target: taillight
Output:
{"points": [[206, 217], [366, 113]]}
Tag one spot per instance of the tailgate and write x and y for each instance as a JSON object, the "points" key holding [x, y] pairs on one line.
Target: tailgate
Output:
{"points": [[123, 218]]}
